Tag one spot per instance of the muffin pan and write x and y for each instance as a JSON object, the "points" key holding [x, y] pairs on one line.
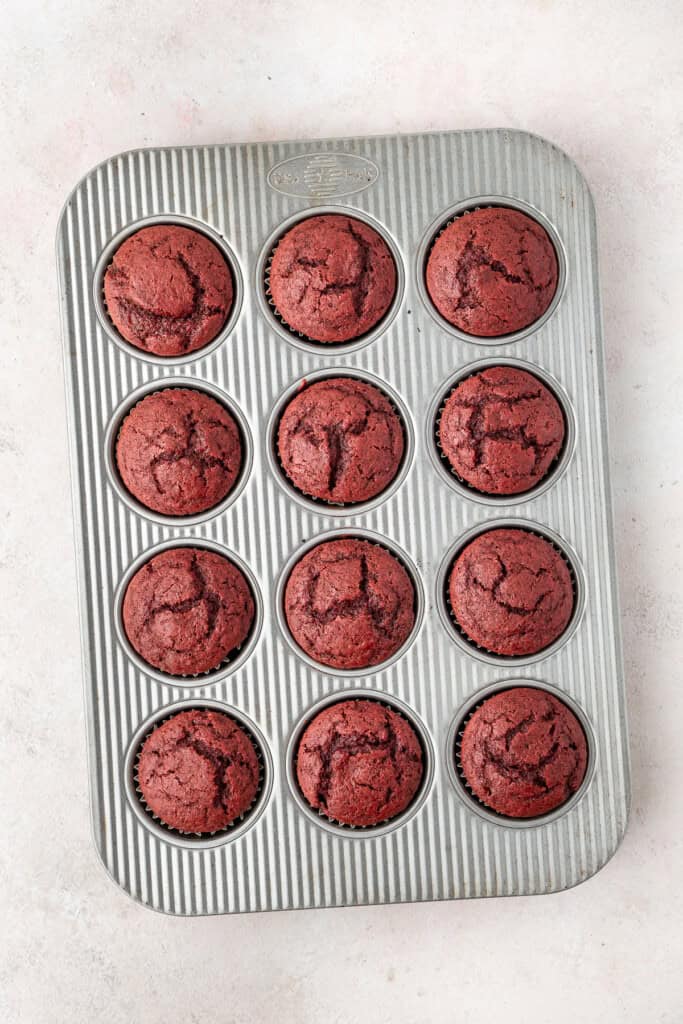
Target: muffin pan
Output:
{"points": [[282, 854]]}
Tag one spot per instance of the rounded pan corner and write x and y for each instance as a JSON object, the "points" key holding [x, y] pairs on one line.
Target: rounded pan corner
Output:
{"points": [[575, 883], [569, 160], [133, 897], [89, 174]]}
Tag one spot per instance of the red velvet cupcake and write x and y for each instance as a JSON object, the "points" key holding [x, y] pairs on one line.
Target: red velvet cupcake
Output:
{"points": [[198, 771], [349, 604], [501, 430], [359, 763], [511, 592], [168, 290], [523, 752], [186, 610], [179, 452], [492, 272], [332, 278], [340, 440]]}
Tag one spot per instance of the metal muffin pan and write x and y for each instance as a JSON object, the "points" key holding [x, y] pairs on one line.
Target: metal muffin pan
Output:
{"points": [[282, 855]]}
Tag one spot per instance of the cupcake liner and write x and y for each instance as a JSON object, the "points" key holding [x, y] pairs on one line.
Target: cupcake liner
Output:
{"points": [[232, 655], [323, 502], [231, 826], [512, 658], [219, 244], [158, 391], [455, 753], [397, 818], [502, 498], [499, 338], [325, 345], [360, 535]]}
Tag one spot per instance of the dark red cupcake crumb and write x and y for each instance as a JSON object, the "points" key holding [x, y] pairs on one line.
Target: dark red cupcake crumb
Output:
{"points": [[168, 290], [179, 452], [359, 763], [340, 440], [332, 278], [511, 592], [523, 752], [501, 430], [349, 604], [186, 610], [198, 771], [492, 271]]}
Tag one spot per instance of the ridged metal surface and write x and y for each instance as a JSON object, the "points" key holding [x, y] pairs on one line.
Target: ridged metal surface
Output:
{"points": [[445, 850]]}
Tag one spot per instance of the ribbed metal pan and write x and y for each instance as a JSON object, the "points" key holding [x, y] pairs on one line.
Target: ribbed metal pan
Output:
{"points": [[283, 857]]}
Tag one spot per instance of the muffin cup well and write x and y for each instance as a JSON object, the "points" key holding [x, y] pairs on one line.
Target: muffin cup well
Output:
{"points": [[454, 628], [361, 831], [197, 840], [378, 541], [234, 659], [438, 226], [125, 408], [320, 505], [441, 462], [457, 777], [262, 285], [106, 258]]}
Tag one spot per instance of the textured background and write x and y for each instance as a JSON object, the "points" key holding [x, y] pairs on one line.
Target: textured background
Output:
{"points": [[80, 84]]}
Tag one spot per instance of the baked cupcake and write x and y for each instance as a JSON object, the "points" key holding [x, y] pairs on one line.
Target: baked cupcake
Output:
{"points": [[501, 430], [179, 452], [186, 610], [511, 592], [349, 604], [492, 271], [168, 290], [523, 752], [340, 440], [359, 763], [198, 772], [332, 278]]}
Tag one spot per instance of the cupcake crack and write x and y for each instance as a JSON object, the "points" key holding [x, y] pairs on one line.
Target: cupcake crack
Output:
{"points": [[191, 452], [340, 440], [338, 760], [349, 603], [331, 278], [178, 451], [510, 592], [500, 430], [186, 610]]}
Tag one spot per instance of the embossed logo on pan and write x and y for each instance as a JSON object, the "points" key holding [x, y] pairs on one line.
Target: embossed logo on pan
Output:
{"points": [[323, 175]]}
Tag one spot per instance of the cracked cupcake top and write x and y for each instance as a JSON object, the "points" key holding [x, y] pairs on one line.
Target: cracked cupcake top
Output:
{"points": [[332, 278], [349, 603], [168, 290], [186, 609], [501, 430], [523, 752], [198, 771], [359, 763], [511, 592], [340, 440], [179, 452], [492, 271]]}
